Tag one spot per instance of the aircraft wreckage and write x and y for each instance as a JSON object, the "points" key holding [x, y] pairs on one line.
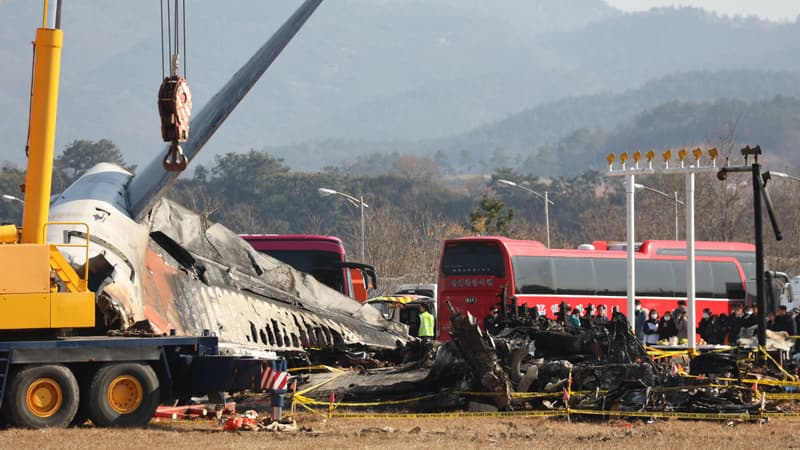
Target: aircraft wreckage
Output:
{"points": [[549, 366], [158, 268]]}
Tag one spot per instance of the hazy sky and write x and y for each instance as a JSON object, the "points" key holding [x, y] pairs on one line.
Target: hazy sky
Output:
{"points": [[768, 9]]}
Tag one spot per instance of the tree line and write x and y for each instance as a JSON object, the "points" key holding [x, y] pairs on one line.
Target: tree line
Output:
{"points": [[412, 209]]}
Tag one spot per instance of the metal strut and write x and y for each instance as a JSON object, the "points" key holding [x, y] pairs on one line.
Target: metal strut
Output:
{"points": [[175, 105]]}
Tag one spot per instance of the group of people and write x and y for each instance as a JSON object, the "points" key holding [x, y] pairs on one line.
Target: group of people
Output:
{"points": [[580, 318], [668, 328], [725, 329], [577, 317]]}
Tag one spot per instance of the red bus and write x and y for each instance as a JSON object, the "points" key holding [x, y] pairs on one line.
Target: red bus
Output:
{"points": [[476, 273], [323, 257]]}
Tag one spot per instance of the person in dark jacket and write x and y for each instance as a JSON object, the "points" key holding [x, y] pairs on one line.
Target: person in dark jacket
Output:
{"points": [[641, 318], [771, 321], [784, 322], [493, 323], [602, 315], [750, 318], [588, 319], [721, 329], [666, 327], [705, 328], [735, 324]]}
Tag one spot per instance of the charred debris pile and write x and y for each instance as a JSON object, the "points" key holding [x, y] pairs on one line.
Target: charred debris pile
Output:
{"points": [[547, 367]]}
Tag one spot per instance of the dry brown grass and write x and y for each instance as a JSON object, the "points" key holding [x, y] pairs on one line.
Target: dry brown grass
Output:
{"points": [[401, 434]]}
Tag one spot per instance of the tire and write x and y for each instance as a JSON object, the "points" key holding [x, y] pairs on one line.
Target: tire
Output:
{"points": [[123, 395], [41, 396]]}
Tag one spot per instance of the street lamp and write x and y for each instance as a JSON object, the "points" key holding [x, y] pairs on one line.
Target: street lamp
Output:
{"points": [[771, 173], [663, 194], [11, 198], [507, 183], [359, 202]]}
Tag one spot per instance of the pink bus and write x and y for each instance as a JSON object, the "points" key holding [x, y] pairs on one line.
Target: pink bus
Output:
{"points": [[323, 257]]}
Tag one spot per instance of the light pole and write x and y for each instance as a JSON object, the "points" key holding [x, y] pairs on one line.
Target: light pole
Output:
{"points": [[664, 194], [11, 198], [772, 173], [547, 202], [359, 202]]}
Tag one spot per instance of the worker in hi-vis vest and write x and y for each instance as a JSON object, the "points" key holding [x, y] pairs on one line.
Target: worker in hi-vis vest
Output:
{"points": [[425, 324]]}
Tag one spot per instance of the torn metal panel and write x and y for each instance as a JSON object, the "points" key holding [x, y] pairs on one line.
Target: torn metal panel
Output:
{"points": [[479, 353], [250, 298]]}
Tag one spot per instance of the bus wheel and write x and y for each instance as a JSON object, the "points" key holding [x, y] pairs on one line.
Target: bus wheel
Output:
{"points": [[123, 395], [41, 396]]}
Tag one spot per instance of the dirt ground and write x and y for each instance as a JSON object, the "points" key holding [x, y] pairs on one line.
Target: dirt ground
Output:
{"points": [[404, 434]]}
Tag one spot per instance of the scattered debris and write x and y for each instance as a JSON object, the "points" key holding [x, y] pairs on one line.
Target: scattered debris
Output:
{"points": [[545, 366]]}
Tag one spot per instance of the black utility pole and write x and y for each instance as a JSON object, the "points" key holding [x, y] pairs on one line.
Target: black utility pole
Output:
{"points": [[759, 193], [758, 188]]}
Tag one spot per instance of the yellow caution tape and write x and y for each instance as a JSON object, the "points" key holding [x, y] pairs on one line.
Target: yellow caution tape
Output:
{"points": [[780, 367], [764, 381], [309, 401], [780, 414], [544, 413], [317, 367], [744, 416], [309, 389], [782, 395], [667, 414], [520, 394]]}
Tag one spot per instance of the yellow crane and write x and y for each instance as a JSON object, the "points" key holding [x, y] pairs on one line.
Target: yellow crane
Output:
{"points": [[39, 289]]}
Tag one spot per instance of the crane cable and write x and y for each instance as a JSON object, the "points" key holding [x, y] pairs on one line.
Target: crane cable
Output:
{"points": [[174, 96]]}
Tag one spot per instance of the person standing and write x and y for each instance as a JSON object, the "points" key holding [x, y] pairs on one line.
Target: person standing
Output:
{"points": [[602, 315], [425, 324], [785, 322], [575, 318], [641, 317], [650, 328], [735, 324], [682, 326], [588, 319], [667, 329], [492, 323], [676, 313], [705, 327]]}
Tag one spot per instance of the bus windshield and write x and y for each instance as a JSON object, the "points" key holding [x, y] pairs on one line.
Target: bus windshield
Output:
{"points": [[324, 266], [481, 258], [322, 257]]}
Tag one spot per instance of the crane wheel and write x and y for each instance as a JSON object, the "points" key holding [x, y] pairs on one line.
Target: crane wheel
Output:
{"points": [[41, 396], [123, 395]]}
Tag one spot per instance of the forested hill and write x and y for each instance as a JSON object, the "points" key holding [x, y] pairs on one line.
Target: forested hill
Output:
{"points": [[569, 136]]}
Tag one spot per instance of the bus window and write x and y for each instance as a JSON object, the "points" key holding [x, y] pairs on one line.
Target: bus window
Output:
{"points": [[473, 259], [654, 278], [611, 276], [703, 281], [723, 272], [533, 275], [574, 276], [679, 272]]}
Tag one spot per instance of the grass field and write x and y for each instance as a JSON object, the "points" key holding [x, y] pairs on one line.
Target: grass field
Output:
{"points": [[404, 434]]}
